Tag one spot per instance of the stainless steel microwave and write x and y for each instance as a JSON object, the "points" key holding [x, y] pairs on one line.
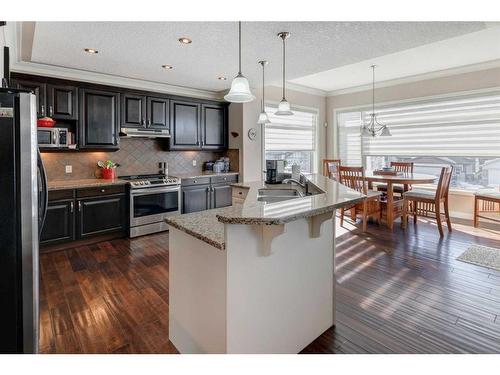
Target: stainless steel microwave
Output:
{"points": [[53, 137]]}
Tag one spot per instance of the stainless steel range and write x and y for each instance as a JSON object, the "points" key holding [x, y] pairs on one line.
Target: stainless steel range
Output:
{"points": [[152, 198]]}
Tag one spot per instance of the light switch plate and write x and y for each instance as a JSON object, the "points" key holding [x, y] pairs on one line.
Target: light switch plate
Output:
{"points": [[69, 169], [194, 163]]}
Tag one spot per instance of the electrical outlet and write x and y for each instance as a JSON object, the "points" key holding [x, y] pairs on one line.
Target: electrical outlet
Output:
{"points": [[194, 163], [69, 169]]}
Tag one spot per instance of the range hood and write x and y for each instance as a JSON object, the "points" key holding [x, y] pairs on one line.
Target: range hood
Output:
{"points": [[144, 133]]}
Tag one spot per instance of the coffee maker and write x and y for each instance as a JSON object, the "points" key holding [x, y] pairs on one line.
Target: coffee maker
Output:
{"points": [[275, 171]]}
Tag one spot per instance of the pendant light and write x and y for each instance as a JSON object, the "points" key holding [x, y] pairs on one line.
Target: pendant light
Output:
{"points": [[240, 88], [284, 106], [263, 118], [373, 127]]}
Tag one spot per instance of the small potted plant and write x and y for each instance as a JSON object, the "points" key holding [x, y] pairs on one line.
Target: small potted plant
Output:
{"points": [[108, 169]]}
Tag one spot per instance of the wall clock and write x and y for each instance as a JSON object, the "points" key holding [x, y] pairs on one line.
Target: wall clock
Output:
{"points": [[252, 134]]}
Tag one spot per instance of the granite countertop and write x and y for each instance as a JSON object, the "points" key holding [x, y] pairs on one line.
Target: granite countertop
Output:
{"points": [[82, 183], [204, 174], [207, 225]]}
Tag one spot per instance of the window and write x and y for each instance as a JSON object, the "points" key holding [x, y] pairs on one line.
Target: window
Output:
{"points": [[461, 131], [291, 138]]}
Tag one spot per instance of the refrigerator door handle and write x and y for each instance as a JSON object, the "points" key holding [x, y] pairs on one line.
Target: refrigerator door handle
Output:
{"points": [[43, 194]]}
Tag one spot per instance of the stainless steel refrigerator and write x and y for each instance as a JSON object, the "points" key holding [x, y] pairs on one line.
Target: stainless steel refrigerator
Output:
{"points": [[23, 204]]}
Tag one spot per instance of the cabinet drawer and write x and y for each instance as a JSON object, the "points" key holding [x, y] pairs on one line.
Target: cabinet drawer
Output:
{"points": [[55, 195], [225, 178], [195, 181], [98, 191], [240, 193]]}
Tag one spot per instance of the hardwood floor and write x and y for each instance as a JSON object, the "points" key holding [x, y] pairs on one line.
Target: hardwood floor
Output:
{"points": [[399, 292]]}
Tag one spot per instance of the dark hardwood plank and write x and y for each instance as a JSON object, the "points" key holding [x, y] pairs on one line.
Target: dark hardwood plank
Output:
{"points": [[398, 292]]}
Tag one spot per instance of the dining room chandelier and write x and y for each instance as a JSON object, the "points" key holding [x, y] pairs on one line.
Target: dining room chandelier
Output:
{"points": [[374, 128]]}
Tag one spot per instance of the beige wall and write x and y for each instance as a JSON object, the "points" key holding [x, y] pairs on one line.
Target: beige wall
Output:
{"points": [[243, 117], [437, 86]]}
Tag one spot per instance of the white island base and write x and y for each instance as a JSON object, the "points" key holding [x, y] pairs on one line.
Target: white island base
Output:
{"points": [[271, 290]]}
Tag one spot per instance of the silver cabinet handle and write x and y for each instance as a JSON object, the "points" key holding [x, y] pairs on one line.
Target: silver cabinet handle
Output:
{"points": [[51, 111], [103, 190], [143, 122], [149, 122], [71, 207], [43, 110], [79, 206]]}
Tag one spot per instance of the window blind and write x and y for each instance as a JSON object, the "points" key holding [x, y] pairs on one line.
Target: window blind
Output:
{"points": [[454, 126], [349, 124], [290, 133]]}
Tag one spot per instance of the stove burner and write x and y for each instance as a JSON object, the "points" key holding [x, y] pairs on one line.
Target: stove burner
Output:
{"points": [[150, 180]]}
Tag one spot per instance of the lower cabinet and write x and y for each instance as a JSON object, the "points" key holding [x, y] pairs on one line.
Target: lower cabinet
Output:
{"points": [[195, 198], [83, 213], [59, 223], [100, 215], [204, 193]]}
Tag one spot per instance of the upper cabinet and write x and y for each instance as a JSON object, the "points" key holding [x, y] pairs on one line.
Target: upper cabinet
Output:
{"points": [[185, 125], [40, 91], [197, 126], [62, 102], [213, 127], [99, 119], [140, 111], [133, 110]]}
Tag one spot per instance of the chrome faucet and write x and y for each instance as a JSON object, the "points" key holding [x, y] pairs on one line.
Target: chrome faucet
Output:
{"points": [[303, 185]]}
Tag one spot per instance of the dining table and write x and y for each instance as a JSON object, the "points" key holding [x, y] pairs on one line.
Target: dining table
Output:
{"points": [[405, 179]]}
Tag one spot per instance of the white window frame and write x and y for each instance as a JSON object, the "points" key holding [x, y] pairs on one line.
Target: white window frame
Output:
{"points": [[312, 110], [402, 102]]}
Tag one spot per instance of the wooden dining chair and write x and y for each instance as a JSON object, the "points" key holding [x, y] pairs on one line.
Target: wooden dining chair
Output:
{"points": [[428, 203], [354, 178], [403, 167], [331, 168]]}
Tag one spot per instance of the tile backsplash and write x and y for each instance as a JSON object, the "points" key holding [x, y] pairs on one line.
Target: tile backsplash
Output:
{"points": [[135, 156]]}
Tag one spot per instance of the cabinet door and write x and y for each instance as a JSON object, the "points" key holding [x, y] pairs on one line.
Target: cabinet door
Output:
{"points": [[157, 109], [184, 125], [213, 127], [62, 102], [195, 198], [59, 223], [221, 196], [101, 215], [39, 89], [133, 110], [99, 120]]}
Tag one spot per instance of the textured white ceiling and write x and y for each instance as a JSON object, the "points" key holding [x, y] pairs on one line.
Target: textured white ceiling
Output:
{"points": [[138, 49]]}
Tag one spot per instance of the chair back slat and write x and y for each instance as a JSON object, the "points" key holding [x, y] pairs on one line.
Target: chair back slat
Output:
{"points": [[444, 182], [331, 168], [400, 166], [354, 178]]}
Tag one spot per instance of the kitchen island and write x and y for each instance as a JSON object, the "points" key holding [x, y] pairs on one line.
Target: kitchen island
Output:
{"points": [[256, 277]]}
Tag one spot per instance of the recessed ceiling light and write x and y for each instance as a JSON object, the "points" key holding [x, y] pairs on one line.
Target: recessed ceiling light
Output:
{"points": [[185, 40], [91, 50], [221, 78], [168, 67]]}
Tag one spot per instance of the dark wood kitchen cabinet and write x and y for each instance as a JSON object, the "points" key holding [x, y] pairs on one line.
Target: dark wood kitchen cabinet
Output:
{"points": [[213, 127], [99, 119], [59, 223], [40, 91], [133, 110], [101, 215], [195, 198], [221, 195], [62, 102], [184, 125], [157, 113]]}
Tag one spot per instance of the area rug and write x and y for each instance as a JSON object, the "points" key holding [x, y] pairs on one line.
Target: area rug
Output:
{"points": [[488, 257]]}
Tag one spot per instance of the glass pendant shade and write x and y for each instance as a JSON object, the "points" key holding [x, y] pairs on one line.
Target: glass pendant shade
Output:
{"points": [[263, 118], [385, 132], [240, 91], [283, 109]]}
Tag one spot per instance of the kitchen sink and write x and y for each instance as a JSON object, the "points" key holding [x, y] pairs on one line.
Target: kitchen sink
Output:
{"points": [[280, 193]]}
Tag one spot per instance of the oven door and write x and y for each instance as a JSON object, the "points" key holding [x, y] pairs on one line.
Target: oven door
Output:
{"points": [[152, 205]]}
